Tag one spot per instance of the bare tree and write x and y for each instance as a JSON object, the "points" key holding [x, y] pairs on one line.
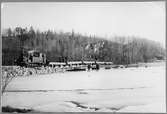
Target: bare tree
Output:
{"points": [[7, 77]]}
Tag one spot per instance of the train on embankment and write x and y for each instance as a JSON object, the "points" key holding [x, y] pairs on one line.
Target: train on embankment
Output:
{"points": [[35, 58]]}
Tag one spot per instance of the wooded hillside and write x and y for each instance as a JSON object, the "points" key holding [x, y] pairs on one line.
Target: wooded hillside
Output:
{"points": [[73, 46]]}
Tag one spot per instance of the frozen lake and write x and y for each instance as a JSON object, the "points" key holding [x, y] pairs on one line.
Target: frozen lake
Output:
{"points": [[114, 90]]}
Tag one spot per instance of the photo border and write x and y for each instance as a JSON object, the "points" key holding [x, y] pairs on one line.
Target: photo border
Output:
{"points": [[44, 1]]}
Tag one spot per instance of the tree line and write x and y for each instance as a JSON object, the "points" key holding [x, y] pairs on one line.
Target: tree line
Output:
{"points": [[71, 46]]}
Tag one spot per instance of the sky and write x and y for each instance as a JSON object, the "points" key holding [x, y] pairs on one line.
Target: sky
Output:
{"points": [[105, 19]]}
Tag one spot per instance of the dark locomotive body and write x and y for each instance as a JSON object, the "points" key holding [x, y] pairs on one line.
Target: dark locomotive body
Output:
{"points": [[32, 58]]}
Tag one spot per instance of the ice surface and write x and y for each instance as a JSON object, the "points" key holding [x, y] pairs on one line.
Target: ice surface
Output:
{"points": [[123, 90]]}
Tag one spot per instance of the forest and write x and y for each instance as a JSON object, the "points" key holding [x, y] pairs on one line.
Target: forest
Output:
{"points": [[71, 46]]}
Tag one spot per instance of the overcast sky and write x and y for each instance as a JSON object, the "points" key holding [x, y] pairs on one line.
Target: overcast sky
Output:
{"points": [[143, 19]]}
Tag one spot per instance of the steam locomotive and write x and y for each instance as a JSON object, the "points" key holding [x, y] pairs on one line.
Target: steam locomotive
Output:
{"points": [[32, 58]]}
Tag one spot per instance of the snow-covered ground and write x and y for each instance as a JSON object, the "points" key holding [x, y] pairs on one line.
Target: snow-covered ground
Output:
{"points": [[115, 90]]}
